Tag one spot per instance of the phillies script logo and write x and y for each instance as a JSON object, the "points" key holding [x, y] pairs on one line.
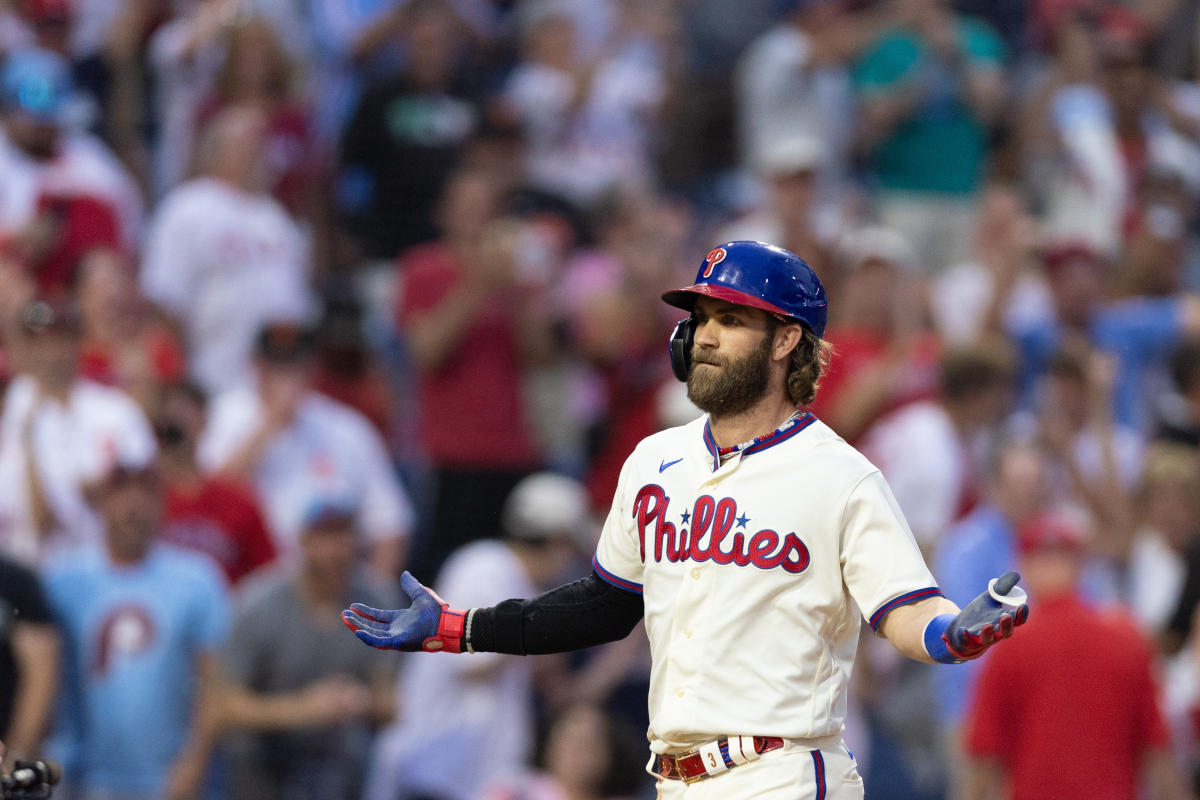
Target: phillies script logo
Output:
{"points": [[712, 534], [714, 257]]}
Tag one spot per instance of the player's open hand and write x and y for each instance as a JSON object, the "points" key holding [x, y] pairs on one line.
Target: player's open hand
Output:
{"points": [[421, 626], [987, 619]]}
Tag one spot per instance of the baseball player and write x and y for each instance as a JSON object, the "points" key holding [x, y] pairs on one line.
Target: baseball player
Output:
{"points": [[752, 540]]}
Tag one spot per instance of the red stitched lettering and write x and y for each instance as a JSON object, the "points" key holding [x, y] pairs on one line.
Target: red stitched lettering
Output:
{"points": [[723, 524], [762, 544], [714, 519], [794, 554], [650, 505], [702, 517]]}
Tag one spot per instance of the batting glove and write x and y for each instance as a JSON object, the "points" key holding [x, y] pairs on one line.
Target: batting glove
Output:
{"points": [[428, 624], [990, 617]]}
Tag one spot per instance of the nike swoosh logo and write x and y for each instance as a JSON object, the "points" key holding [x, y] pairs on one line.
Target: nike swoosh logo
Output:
{"points": [[663, 466]]}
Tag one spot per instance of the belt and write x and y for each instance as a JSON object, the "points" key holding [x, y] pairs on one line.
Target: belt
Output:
{"points": [[715, 757]]}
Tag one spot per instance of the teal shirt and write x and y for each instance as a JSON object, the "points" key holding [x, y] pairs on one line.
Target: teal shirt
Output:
{"points": [[941, 148]]}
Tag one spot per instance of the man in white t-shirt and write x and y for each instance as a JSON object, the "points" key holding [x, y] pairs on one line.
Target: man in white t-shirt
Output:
{"points": [[296, 447], [58, 434], [222, 256], [793, 82], [586, 124]]}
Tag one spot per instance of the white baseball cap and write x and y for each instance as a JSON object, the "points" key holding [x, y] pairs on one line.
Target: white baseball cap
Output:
{"points": [[790, 154], [546, 505], [876, 243]]}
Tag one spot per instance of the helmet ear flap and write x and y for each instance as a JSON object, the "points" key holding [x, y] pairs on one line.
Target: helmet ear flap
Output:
{"points": [[680, 347]]}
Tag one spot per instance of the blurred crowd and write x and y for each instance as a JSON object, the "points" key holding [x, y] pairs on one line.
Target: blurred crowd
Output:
{"points": [[296, 294]]}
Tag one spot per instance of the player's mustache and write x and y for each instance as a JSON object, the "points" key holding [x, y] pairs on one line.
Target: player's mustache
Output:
{"points": [[699, 357]]}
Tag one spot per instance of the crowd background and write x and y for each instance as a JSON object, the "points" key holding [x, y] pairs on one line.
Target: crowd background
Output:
{"points": [[295, 294]]}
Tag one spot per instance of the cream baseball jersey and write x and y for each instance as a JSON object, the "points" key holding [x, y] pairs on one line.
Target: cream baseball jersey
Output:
{"points": [[754, 574]]}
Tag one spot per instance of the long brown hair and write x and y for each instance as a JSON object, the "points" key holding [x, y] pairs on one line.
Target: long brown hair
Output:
{"points": [[810, 360], [256, 32]]}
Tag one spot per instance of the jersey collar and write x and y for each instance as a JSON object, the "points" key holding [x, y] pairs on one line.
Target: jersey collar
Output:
{"points": [[758, 445]]}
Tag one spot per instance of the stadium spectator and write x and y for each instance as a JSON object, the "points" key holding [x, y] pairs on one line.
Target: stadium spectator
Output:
{"points": [[793, 82], [463, 724], [1103, 683], [59, 433], [1015, 490], [1095, 460], [614, 325], [351, 45], [222, 256], [885, 356], [30, 652], [1069, 150], [143, 623], [1168, 513], [407, 136], [1140, 333], [793, 211], [301, 704], [206, 513], [933, 452], [63, 192], [297, 447], [931, 87], [190, 54], [348, 369], [1001, 283], [126, 343], [586, 756], [587, 124], [185, 55], [471, 333], [256, 72]]}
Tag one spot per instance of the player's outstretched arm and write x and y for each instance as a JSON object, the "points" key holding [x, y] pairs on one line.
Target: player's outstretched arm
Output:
{"points": [[937, 631], [581, 614]]}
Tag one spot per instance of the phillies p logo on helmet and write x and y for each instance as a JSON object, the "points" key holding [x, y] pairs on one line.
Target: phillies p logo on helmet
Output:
{"points": [[714, 257]]}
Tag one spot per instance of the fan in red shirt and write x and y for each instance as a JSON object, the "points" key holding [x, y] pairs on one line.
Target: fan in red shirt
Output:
{"points": [[885, 356], [471, 328], [205, 512], [1069, 709]]}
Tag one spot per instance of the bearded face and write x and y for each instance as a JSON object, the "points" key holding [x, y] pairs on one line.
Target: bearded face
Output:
{"points": [[724, 387]]}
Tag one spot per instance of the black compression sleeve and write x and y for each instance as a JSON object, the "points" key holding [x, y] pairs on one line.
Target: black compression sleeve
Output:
{"points": [[581, 614]]}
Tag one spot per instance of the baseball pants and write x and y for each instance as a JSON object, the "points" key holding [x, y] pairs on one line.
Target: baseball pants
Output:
{"points": [[787, 774]]}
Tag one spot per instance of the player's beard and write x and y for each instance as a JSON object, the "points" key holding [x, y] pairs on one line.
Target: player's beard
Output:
{"points": [[730, 387]]}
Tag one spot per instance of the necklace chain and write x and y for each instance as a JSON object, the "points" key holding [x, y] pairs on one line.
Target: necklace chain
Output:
{"points": [[724, 452]]}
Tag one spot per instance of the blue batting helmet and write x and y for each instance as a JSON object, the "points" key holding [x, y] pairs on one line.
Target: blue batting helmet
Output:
{"points": [[761, 276]]}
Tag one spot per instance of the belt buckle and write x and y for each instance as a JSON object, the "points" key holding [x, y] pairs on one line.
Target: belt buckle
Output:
{"points": [[695, 779]]}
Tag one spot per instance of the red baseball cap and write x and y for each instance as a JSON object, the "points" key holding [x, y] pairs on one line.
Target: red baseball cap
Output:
{"points": [[1052, 530]]}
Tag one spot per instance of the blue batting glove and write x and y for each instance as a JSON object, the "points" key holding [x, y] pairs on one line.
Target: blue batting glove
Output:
{"points": [[427, 624], [990, 617]]}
